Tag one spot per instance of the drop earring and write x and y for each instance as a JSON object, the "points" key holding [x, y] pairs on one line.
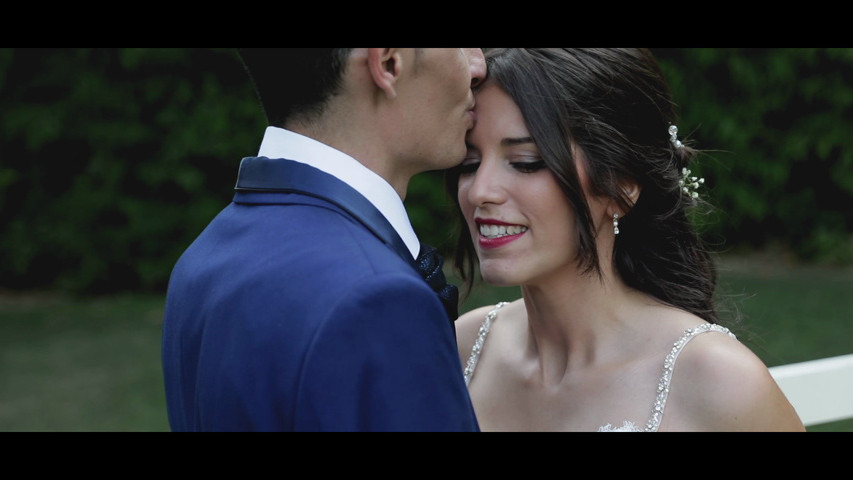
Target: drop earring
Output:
{"points": [[615, 224]]}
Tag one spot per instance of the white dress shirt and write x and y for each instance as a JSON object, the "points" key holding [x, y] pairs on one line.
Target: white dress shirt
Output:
{"points": [[281, 143]]}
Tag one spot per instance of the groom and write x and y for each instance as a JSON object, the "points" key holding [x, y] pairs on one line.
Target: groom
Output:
{"points": [[299, 307]]}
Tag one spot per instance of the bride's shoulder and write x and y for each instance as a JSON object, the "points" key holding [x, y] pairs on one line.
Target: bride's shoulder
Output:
{"points": [[477, 316], [731, 385], [469, 323]]}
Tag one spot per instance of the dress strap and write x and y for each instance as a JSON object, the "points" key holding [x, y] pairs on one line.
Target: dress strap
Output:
{"points": [[669, 365], [478, 345]]}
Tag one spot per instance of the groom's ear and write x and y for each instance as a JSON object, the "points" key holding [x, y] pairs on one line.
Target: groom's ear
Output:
{"points": [[384, 65]]}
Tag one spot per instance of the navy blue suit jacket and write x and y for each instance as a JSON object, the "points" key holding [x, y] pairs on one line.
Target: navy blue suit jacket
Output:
{"points": [[298, 309]]}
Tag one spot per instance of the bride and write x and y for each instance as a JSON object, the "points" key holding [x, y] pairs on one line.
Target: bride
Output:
{"points": [[577, 188]]}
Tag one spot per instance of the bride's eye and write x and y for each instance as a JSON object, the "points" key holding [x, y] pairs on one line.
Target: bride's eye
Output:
{"points": [[529, 166], [469, 164], [467, 168]]}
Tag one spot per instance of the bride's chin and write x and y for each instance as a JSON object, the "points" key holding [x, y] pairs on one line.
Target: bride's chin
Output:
{"points": [[497, 279]]}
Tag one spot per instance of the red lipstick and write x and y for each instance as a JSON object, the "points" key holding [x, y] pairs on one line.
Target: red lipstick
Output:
{"points": [[495, 242]]}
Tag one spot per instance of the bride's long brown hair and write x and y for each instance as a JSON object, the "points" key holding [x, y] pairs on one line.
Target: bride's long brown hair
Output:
{"points": [[614, 105]]}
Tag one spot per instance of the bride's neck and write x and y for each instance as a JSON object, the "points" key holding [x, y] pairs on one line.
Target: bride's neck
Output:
{"points": [[574, 324]]}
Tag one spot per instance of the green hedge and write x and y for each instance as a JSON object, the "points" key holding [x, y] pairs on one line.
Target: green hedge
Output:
{"points": [[113, 160], [779, 123]]}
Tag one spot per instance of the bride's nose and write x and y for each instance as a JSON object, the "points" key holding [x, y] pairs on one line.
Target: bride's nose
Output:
{"points": [[484, 186]]}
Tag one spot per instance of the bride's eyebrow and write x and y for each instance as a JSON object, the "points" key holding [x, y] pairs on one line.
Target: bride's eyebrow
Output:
{"points": [[508, 142]]}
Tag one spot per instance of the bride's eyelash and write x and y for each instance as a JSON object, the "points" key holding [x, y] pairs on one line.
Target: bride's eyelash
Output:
{"points": [[529, 167], [521, 167], [466, 168]]}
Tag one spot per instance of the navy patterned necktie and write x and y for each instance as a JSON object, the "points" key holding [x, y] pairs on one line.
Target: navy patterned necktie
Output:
{"points": [[429, 265]]}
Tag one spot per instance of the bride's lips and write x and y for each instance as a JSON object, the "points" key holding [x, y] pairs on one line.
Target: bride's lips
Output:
{"points": [[494, 233]]}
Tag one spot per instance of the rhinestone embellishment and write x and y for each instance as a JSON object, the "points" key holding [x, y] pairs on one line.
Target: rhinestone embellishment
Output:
{"points": [[481, 337], [669, 364]]}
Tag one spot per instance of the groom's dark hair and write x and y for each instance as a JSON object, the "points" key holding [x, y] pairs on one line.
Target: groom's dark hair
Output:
{"points": [[294, 82]]}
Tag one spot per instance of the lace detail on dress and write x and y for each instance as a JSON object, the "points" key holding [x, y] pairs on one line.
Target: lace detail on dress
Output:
{"points": [[663, 385], [628, 426]]}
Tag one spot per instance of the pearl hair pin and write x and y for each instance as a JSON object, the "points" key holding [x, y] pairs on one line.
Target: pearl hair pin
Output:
{"points": [[673, 136]]}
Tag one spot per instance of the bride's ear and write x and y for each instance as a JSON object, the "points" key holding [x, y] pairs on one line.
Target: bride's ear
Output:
{"points": [[631, 191], [630, 194]]}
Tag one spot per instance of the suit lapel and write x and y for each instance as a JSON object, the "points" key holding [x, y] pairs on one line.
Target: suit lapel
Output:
{"points": [[262, 174]]}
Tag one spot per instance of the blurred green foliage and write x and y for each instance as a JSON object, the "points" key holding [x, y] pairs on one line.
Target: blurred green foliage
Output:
{"points": [[777, 123], [113, 160]]}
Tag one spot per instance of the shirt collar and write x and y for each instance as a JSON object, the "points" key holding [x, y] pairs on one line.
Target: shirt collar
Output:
{"points": [[282, 143]]}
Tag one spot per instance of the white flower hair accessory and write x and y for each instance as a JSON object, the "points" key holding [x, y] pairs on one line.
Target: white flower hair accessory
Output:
{"points": [[689, 184]]}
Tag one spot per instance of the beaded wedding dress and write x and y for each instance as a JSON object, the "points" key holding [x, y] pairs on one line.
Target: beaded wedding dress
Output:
{"points": [[663, 384]]}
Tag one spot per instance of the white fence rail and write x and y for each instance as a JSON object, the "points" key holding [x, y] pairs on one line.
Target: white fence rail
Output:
{"points": [[820, 390]]}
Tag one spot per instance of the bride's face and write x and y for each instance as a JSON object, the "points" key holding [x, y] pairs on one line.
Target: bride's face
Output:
{"points": [[520, 220]]}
